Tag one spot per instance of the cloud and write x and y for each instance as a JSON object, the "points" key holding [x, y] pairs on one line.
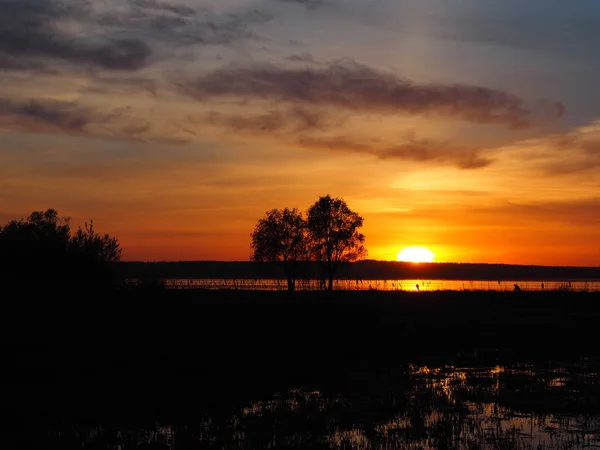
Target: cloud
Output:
{"points": [[583, 211], [180, 10], [45, 116], [293, 120], [302, 57], [311, 4], [112, 36], [305, 127], [10, 62], [120, 85], [51, 116], [352, 86], [573, 152], [182, 24], [32, 29], [412, 149]]}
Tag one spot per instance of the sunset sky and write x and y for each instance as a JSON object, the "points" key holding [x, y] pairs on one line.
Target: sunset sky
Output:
{"points": [[469, 127]]}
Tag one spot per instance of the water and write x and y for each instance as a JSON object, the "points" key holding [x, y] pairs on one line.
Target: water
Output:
{"points": [[521, 406], [386, 285]]}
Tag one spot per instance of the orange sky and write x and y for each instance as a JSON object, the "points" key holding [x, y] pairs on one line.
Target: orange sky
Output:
{"points": [[464, 127]]}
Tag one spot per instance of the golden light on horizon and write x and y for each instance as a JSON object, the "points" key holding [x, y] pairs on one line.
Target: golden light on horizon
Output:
{"points": [[416, 255]]}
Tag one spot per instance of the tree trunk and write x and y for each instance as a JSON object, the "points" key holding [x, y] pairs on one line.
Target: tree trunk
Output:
{"points": [[330, 285], [291, 284]]}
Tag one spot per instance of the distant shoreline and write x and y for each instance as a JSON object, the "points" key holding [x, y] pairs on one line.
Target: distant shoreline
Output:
{"points": [[365, 270]]}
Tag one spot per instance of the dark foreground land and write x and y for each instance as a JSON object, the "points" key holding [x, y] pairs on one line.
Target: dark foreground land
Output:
{"points": [[141, 358]]}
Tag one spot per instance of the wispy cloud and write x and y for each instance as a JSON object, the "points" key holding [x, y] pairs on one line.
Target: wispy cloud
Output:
{"points": [[182, 24], [352, 86], [311, 4], [411, 149], [312, 129], [69, 118], [45, 116], [574, 152], [302, 57], [293, 120]]}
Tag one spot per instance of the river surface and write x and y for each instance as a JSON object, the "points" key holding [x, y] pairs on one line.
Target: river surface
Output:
{"points": [[386, 285], [520, 406]]}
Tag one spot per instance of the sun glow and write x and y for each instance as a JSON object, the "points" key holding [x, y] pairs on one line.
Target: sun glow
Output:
{"points": [[415, 254]]}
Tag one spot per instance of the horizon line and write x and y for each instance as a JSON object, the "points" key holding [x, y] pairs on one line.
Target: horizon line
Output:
{"points": [[360, 261]]}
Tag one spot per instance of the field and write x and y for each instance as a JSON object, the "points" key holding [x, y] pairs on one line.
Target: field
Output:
{"points": [[93, 367]]}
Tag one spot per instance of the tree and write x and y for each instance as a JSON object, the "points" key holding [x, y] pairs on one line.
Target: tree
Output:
{"points": [[280, 236], [333, 234], [41, 247], [101, 248], [34, 247], [92, 254]]}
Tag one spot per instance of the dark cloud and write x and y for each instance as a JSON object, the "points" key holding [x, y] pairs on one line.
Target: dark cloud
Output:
{"points": [[120, 85], [30, 29], [50, 116], [183, 25], [353, 86], [180, 10], [311, 4], [293, 120], [45, 116], [411, 149], [10, 62], [302, 57]]}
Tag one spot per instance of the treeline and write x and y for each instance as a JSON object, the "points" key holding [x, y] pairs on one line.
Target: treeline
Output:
{"points": [[366, 270]]}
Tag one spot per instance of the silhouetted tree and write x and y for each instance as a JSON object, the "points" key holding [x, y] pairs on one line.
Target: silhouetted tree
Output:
{"points": [[34, 247], [280, 236], [41, 247], [333, 234], [101, 248]]}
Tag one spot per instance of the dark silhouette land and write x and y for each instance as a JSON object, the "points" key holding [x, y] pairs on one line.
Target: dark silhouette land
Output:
{"points": [[92, 362]]}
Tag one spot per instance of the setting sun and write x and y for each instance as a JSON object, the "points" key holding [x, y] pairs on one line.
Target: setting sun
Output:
{"points": [[415, 254]]}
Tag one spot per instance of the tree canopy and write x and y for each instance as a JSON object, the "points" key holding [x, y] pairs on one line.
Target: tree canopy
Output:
{"points": [[333, 234], [41, 247], [280, 236], [329, 235]]}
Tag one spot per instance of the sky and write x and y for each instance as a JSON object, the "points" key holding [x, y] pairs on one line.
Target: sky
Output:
{"points": [[470, 127]]}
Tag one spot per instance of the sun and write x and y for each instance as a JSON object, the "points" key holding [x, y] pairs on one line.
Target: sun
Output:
{"points": [[415, 254]]}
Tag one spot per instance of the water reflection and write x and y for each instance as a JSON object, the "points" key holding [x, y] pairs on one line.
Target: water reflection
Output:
{"points": [[383, 285], [520, 406]]}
